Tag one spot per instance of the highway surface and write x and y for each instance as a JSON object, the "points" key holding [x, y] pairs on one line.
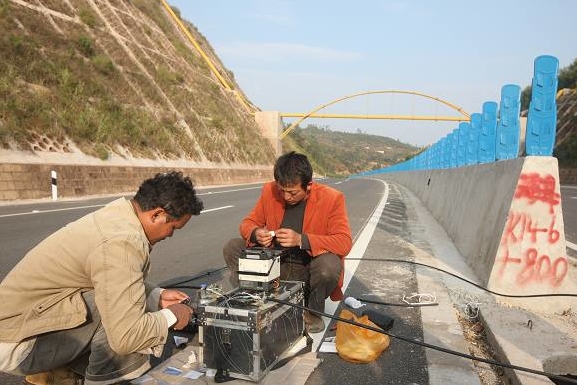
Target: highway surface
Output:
{"points": [[198, 247], [195, 248]]}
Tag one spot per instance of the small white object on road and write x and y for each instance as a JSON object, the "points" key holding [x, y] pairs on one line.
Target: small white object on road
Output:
{"points": [[328, 347], [211, 372], [178, 341], [193, 375], [353, 303]]}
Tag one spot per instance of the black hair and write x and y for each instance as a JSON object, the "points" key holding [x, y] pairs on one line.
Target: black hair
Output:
{"points": [[170, 191], [292, 168]]}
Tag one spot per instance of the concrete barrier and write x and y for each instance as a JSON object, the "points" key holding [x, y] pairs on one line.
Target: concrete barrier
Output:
{"points": [[506, 220], [32, 181]]}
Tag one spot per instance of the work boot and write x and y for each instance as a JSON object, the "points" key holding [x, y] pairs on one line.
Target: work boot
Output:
{"points": [[60, 376], [313, 323]]}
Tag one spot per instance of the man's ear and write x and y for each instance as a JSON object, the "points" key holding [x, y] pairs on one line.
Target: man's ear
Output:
{"points": [[156, 214], [309, 186]]}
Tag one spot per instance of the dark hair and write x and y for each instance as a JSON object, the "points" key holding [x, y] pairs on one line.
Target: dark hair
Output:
{"points": [[171, 191], [292, 168]]}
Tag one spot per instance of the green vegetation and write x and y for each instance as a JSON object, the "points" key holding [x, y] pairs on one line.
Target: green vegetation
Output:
{"points": [[85, 46], [103, 64], [167, 77], [63, 85], [336, 153], [87, 17], [566, 152]]}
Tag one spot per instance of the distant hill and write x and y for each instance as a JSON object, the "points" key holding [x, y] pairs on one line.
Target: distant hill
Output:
{"points": [[335, 153]]}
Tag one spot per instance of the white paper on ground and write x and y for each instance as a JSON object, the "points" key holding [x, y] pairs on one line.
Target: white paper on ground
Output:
{"points": [[172, 371], [180, 340], [328, 347], [193, 375]]}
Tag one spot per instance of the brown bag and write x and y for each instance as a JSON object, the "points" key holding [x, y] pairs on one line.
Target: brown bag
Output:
{"points": [[356, 344]]}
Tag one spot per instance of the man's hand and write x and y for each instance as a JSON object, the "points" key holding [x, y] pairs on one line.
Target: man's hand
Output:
{"points": [[183, 314], [263, 236], [170, 297], [288, 238]]}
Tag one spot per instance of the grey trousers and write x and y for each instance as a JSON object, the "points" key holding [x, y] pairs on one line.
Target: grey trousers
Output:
{"points": [[321, 275], [84, 350]]}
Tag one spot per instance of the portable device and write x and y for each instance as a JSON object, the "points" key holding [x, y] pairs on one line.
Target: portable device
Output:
{"points": [[259, 268], [243, 335]]}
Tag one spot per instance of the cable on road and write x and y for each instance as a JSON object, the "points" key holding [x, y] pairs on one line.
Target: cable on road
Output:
{"points": [[567, 380], [195, 277], [462, 279]]}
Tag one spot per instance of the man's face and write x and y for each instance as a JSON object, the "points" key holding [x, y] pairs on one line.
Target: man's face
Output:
{"points": [[293, 193], [160, 225]]}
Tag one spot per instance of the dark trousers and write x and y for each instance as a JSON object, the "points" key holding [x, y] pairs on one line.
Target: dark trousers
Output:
{"points": [[85, 350], [320, 275]]}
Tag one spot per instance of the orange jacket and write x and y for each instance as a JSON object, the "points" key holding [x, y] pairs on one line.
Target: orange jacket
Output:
{"points": [[325, 223]]}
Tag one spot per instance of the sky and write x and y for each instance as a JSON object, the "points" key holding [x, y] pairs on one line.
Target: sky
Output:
{"points": [[293, 56]]}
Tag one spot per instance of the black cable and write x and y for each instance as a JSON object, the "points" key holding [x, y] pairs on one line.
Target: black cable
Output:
{"points": [[461, 278], [198, 276], [426, 345], [397, 303], [184, 287]]}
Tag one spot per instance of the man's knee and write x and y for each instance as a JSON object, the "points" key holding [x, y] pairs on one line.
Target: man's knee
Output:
{"points": [[232, 250], [326, 269]]}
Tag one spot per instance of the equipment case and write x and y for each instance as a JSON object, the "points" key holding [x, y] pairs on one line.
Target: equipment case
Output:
{"points": [[246, 341]]}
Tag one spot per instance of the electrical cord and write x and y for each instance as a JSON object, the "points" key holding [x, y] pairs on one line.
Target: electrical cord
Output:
{"points": [[461, 278], [426, 345], [363, 299], [210, 272]]}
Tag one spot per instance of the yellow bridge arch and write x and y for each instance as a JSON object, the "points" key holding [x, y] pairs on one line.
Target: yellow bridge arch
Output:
{"points": [[313, 113]]}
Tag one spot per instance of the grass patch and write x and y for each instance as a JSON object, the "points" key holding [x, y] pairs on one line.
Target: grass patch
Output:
{"points": [[168, 77], [85, 46], [101, 151], [87, 17], [103, 64], [4, 8]]}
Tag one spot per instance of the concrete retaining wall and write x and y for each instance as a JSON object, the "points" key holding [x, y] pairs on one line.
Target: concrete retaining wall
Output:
{"points": [[31, 181], [505, 218]]}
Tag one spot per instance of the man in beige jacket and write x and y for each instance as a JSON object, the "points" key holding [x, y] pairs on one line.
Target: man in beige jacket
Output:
{"points": [[78, 302]]}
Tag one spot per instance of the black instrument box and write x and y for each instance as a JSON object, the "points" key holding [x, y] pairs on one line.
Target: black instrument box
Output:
{"points": [[246, 341]]}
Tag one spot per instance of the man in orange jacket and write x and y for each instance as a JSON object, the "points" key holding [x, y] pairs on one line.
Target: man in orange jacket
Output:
{"points": [[308, 218]]}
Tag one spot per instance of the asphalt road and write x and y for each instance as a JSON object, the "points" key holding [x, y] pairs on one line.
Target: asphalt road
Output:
{"points": [[569, 204], [195, 248]]}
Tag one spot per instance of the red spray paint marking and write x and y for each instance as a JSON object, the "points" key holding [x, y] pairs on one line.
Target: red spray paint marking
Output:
{"points": [[521, 224], [538, 189], [523, 229]]}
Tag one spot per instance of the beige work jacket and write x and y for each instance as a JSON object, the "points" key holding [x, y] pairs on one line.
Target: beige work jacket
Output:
{"points": [[106, 251]]}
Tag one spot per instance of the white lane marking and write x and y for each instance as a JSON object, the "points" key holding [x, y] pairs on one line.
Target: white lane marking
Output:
{"points": [[216, 209], [49, 211], [338, 182], [571, 245], [87, 207], [571, 187], [226, 191], [358, 251], [573, 197]]}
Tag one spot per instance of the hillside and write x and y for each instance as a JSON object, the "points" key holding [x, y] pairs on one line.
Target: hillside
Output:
{"points": [[116, 77], [341, 153], [566, 139]]}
